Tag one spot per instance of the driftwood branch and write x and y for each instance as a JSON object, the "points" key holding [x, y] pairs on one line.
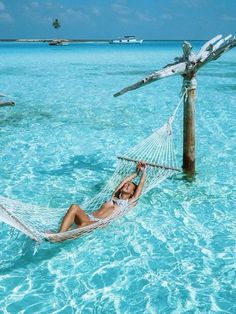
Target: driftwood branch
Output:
{"points": [[189, 63], [178, 68], [209, 44], [7, 103], [215, 50]]}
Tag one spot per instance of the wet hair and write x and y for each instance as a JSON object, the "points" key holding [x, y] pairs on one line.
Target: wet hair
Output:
{"points": [[118, 192]]}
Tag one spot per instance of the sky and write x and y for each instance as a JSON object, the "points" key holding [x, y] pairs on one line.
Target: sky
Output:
{"points": [[104, 19]]}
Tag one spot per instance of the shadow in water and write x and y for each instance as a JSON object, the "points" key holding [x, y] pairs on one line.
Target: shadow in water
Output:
{"points": [[218, 74], [226, 87], [16, 119], [30, 252], [133, 72], [185, 177], [88, 162]]}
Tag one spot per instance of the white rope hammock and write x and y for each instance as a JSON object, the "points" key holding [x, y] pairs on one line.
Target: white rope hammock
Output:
{"points": [[157, 151]]}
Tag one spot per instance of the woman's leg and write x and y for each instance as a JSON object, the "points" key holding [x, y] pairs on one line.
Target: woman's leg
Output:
{"points": [[74, 215]]}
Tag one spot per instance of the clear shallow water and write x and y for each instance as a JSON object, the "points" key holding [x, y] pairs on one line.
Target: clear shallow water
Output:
{"points": [[175, 253]]}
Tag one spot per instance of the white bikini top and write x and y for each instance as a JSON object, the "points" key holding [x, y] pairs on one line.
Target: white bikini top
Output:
{"points": [[120, 202]]}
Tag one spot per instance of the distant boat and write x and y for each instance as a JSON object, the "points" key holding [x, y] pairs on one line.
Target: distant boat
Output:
{"points": [[58, 42], [126, 40]]}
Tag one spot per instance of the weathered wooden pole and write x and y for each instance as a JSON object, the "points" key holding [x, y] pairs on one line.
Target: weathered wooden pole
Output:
{"points": [[187, 66], [189, 87], [189, 126]]}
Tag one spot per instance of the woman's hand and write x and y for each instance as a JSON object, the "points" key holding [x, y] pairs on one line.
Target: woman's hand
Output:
{"points": [[140, 166]]}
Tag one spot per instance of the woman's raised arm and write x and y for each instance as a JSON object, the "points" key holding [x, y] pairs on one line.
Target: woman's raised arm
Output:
{"points": [[127, 179], [139, 188]]}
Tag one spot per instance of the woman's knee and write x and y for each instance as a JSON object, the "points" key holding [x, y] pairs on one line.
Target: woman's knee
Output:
{"points": [[74, 208]]}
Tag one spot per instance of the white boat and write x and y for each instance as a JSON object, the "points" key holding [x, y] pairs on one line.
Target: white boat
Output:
{"points": [[58, 42], [126, 40]]}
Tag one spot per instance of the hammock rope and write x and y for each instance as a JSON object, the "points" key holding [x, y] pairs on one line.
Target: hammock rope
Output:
{"points": [[157, 151]]}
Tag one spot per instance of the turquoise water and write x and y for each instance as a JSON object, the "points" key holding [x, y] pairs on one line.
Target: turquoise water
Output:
{"points": [[175, 253]]}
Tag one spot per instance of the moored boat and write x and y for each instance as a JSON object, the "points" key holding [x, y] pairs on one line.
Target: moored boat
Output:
{"points": [[58, 42], [126, 40]]}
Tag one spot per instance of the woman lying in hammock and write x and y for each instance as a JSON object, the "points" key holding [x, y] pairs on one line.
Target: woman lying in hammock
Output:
{"points": [[125, 193]]}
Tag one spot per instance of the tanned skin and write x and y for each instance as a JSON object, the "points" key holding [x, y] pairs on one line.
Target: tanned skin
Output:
{"points": [[126, 190]]}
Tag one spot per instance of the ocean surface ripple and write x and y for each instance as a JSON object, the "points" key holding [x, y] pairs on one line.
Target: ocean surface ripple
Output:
{"points": [[175, 252]]}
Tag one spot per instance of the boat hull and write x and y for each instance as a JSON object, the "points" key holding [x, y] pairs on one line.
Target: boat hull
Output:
{"points": [[126, 42]]}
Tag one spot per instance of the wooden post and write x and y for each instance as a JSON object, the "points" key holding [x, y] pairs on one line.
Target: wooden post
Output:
{"points": [[187, 66], [189, 126]]}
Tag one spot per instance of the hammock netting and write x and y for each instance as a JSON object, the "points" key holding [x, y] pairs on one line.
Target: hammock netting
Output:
{"points": [[157, 151]]}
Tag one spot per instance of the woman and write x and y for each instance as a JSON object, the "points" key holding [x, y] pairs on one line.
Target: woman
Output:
{"points": [[126, 193]]}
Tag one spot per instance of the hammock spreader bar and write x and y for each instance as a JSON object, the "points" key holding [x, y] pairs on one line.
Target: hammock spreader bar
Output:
{"points": [[149, 163]]}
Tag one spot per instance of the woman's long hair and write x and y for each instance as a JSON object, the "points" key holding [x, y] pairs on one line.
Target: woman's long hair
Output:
{"points": [[117, 194]]}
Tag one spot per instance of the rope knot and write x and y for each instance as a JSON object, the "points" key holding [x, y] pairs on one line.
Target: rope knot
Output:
{"points": [[190, 84]]}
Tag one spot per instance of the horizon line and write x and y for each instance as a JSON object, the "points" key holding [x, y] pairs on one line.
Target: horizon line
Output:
{"points": [[91, 39]]}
